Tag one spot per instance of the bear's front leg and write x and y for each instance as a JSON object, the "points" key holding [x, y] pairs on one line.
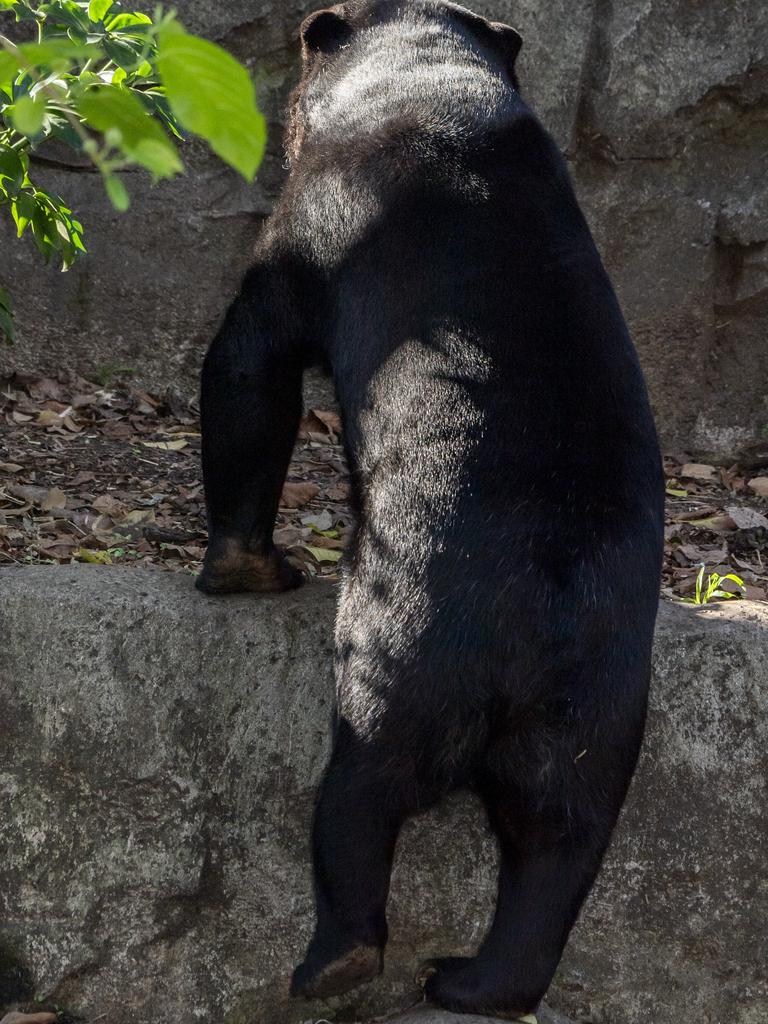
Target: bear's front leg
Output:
{"points": [[250, 411]]}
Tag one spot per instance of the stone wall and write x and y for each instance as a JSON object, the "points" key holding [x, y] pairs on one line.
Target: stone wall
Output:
{"points": [[160, 753], [662, 108]]}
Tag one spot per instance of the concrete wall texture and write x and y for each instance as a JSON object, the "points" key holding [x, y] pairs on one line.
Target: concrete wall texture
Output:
{"points": [[662, 108]]}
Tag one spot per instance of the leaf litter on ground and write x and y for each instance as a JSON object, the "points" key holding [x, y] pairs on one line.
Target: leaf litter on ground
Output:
{"points": [[111, 475]]}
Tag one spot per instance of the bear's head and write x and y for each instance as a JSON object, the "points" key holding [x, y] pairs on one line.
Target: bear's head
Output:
{"points": [[327, 35]]}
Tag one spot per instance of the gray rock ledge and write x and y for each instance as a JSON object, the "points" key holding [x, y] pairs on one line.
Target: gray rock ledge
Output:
{"points": [[160, 752]]}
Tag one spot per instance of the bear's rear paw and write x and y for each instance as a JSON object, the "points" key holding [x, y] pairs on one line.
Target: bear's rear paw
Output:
{"points": [[467, 985], [231, 569], [346, 972], [443, 964]]}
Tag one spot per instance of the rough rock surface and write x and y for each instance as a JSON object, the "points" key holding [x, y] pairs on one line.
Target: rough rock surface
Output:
{"points": [[662, 108], [423, 1015], [160, 752]]}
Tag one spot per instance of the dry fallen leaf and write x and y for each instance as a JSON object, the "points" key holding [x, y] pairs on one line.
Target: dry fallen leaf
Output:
{"points": [[29, 492], [320, 521], [339, 492], [55, 498], [110, 506], [698, 471], [697, 555], [138, 517], [297, 495], [79, 401], [332, 421], [42, 388], [49, 418], [167, 446], [18, 511], [747, 518], [287, 536], [695, 513], [72, 425], [62, 549], [718, 524], [759, 486], [29, 1018], [10, 467], [318, 425], [118, 430], [82, 477]]}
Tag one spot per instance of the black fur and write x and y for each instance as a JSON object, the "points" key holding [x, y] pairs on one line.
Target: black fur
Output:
{"points": [[496, 618]]}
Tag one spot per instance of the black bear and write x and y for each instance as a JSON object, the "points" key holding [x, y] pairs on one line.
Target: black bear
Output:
{"points": [[496, 619]]}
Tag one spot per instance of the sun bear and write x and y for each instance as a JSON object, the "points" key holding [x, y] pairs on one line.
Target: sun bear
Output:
{"points": [[496, 617]]}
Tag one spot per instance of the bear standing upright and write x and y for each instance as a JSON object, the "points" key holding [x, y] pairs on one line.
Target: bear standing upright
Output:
{"points": [[496, 617]]}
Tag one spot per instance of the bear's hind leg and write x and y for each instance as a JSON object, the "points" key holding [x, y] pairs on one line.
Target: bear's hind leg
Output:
{"points": [[357, 821], [542, 883], [553, 821]]}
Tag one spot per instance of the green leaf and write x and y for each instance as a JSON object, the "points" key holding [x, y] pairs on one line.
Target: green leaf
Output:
{"points": [[98, 8], [93, 557], [323, 554], [12, 166], [66, 13], [9, 68], [27, 115], [22, 86], [112, 109], [22, 211], [43, 232], [213, 96], [123, 21], [117, 192], [123, 54], [56, 53], [61, 129]]}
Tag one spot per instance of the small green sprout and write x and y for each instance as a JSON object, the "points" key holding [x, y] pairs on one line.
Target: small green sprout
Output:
{"points": [[712, 589]]}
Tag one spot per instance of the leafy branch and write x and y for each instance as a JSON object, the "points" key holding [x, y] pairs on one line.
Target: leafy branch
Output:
{"points": [[119, 88]]}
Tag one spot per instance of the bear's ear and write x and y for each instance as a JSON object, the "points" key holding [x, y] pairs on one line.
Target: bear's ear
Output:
{"points": [[510, 38], [325, 31], [506, 39]]}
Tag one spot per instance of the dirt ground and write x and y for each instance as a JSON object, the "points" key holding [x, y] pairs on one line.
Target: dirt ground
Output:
{"points": [[105, 473]]}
